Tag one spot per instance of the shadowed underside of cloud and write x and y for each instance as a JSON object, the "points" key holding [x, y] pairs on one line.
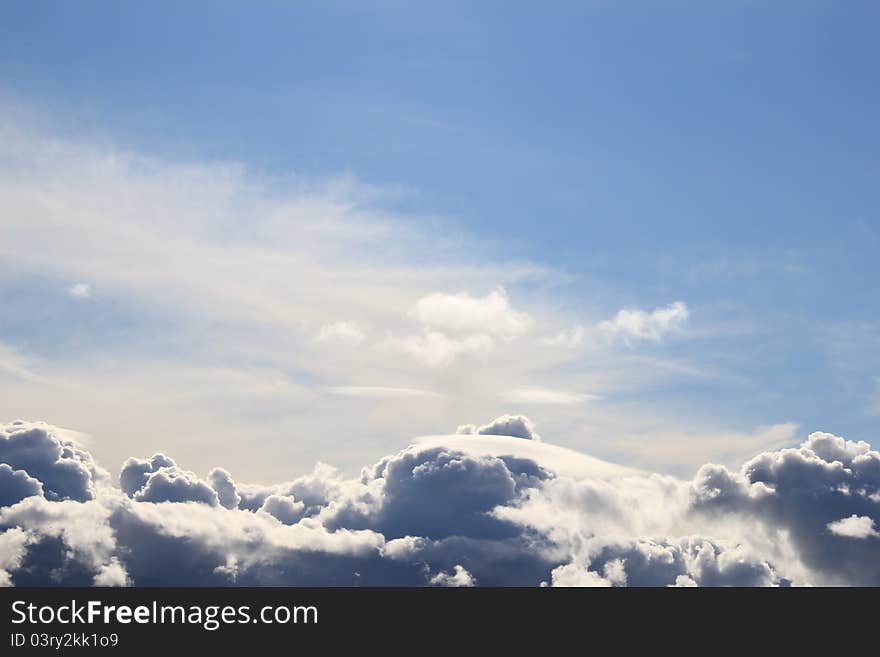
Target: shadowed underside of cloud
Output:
{"points": [[482, 508]]}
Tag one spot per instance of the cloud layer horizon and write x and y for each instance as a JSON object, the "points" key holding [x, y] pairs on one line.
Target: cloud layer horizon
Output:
{"points": [[492, 505]]}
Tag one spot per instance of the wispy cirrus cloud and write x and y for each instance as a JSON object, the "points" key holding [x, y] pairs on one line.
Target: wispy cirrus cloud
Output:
{"points": [[80, 290], [634, 325]]}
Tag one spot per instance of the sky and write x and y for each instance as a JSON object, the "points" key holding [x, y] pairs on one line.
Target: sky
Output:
{"points": [[312, 231]]}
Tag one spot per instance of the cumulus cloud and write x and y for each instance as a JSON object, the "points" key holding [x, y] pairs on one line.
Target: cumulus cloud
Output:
{"points": [[158, 479], [460, 325], [571, 574], [458, 577], [518, 426], [15, 485], [380, 392], [478, 509], [567, 338], [341, 332], [806, 491], [135, 472], [435, 349], [13, 548], [633, 325], [463, 314], [854, 527], [222, 483], [174, 485]]}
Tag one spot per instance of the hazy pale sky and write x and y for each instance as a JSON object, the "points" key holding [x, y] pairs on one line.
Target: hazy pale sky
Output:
{"points": [[311, 232]]}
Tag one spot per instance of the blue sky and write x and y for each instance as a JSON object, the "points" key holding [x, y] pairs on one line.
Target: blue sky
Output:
{"points": [[719, 154]]}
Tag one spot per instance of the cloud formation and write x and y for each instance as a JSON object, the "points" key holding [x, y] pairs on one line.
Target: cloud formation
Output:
{"points": [[854, 527], [518, 426], [441, 515], [463, 314], [633, 325], [80, 290], [341, 332], [65, 471], [15, 485]]}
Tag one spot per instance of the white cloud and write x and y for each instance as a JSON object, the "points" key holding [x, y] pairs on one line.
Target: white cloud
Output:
{"points": [[854, 527], [270, 293], [456, 326], [573, 575], [534, 395], [517, 426], [13, 549], [463, 314], [80, 290], [435, 349], [65, 470], [632, 325], [236, 329], [495, 511], [378, 392], [341, 332], [284, 508]]}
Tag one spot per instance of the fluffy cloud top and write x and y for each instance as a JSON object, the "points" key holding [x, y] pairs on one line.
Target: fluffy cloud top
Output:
{"points": [[435, 514], [458, 577], [284, 508], [80, 290], [854, 527], [457, 325], [435, 349], [158, 479], [341, 332], [518, 426], [463, 314], [64, 470], [15, 485]]}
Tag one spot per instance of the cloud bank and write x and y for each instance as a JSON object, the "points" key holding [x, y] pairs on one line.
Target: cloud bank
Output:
{"points": [[474, 511]]}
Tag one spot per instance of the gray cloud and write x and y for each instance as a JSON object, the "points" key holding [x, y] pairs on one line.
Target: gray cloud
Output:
{"points": [[65, 470], [175, 485], [135, 472], [434, 515], [518, 426], [15, 485], [158, 479], [458, 577]]}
